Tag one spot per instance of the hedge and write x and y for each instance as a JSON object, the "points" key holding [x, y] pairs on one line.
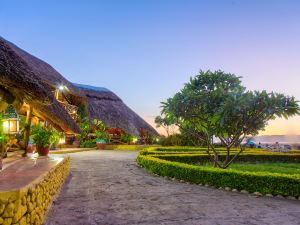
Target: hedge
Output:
{"points": [[192, 150], [245, 157], [263, 182], [126, 147]]}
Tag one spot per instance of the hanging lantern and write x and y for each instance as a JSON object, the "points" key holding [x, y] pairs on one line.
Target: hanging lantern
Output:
{"points": [[10, 121]]}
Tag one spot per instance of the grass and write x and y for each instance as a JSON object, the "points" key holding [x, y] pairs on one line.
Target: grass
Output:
{"points": [[284, 168]]}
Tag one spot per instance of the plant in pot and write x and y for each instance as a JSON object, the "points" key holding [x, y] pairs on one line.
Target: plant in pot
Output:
{"points": [[102, 135], [42, 137], [101, 139]]}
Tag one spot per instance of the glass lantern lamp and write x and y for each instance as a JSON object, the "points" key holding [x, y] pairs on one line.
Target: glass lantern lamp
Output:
{"points": [[10, 121]]}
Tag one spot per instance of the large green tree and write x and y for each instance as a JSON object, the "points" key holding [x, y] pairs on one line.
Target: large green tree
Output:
{"points": [[218, 107]]}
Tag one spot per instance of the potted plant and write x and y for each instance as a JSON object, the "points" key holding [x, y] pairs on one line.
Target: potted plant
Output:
{"points": [[102, 136], [101, 139], [42, 137]]}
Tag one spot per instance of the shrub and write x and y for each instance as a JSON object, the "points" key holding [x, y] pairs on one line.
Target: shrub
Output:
{"points": [[263, 182], [88, 144], [42, 136], [249, 157], [126, 147], [172, 140]]}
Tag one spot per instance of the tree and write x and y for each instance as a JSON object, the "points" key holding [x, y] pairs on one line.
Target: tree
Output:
{"points": [[167, 124], [218, 106]]}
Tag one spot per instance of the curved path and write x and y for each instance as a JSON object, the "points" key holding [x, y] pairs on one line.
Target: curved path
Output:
{"points": [[106, 187]]}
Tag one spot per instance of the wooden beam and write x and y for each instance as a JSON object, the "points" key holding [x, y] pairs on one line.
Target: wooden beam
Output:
{"points": [[27, 129]]}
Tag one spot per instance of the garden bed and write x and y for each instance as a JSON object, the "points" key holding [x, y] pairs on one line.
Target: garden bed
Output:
{"points": [[193, 168]]}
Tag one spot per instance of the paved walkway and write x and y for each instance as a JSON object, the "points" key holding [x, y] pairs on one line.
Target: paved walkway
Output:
{"points": [[106, 187]]}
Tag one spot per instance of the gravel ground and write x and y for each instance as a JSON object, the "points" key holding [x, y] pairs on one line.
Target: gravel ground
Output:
{"points": [[106, 187]]}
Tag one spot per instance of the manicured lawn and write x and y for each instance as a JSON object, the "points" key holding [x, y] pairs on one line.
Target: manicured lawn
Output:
{"points": [[286, 168]]}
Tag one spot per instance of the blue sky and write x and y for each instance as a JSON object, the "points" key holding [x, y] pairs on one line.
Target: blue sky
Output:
{"points": [[146, 50]]}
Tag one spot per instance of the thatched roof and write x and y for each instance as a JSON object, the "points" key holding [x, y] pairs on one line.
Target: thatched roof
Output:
{"points": [[32, 80], [28, 79], [108, 107]]}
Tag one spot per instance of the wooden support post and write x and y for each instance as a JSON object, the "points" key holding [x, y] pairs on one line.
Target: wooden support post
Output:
{"points": [[1, 157], [27, 129]]}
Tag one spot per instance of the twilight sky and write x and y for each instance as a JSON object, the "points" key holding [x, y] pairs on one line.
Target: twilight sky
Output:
{"points": [[145, 50]]}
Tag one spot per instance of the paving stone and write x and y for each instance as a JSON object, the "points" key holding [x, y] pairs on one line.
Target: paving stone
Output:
{"points": [[106, 187]]}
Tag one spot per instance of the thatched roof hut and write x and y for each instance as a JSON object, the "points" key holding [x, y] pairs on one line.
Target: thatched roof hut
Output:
{"points": [[34, 82], [108, 107], [28, 79]]}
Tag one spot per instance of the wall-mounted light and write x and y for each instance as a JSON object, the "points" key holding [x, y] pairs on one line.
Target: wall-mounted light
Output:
{"points": [[10, 121]]}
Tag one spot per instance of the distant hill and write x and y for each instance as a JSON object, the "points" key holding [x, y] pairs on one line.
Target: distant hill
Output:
{"points": [[278, 138]]}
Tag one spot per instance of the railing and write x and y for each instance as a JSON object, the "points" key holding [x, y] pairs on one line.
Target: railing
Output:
{"points": [[71, 109]]}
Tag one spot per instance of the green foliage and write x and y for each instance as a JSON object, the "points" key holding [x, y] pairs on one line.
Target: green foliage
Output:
{"points": [[146, 138], [202, 158], [81, 112], [88, 144], [215, 104], [126, 147], [98, 127], [127, 138], [3, 137], [263, 182], [55, 137], [102, 135], [283, 168], [166, 123], [172, 140], [42, 136], [85, 130]]}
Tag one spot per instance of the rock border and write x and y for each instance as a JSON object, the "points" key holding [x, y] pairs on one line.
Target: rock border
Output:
{"points": [[30, 204]]}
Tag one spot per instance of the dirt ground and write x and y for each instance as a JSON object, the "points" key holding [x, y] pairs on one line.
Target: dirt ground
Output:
{"points": [[106, 187]]}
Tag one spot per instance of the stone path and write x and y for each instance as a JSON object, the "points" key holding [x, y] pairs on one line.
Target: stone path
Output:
{"points": [[106, 187]]}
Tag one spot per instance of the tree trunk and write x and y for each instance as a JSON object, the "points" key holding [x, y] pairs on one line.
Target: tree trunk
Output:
{"points": [[27, 129], [216, 159], [227, 155]]}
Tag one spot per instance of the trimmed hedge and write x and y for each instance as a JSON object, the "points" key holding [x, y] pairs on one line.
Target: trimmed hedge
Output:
{"points": [[246, 157], [193, 150], [126, 147], [263, 182]]}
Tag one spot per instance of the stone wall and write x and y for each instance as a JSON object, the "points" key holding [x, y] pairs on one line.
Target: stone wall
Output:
{"points": [[30, 204]]}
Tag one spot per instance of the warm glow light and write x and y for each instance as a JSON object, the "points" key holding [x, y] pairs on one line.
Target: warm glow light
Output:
{"points": [[5, 126], [62, 140], [134, 140], [61, 87], [11, 126]]}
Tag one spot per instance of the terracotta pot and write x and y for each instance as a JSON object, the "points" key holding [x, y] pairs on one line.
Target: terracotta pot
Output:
{"points": [[100, 146], [43, 151]]}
